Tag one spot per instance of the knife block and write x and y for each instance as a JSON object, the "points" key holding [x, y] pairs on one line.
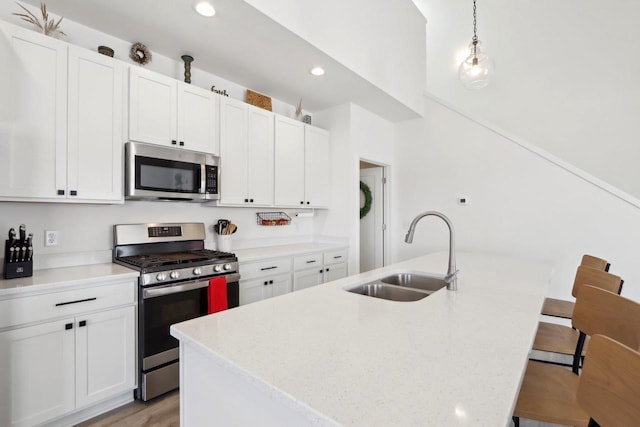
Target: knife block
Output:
{"points": [[13, 270]]}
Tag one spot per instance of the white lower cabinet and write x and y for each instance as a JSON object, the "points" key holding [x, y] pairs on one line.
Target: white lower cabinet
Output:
{"points": [[51, 369], [265, 287], [264, 279], [272, 277]]}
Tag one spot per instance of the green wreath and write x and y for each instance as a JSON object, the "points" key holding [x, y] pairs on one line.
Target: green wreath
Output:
{"points": [[367, 199]]}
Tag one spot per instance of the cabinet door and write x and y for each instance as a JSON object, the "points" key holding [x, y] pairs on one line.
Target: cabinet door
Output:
{"points": [[233, 151], [335, 271], [37, 367], [254, 290], [152, 107], [289, 162], [95, 138], [197, 113], [33, 114], [281, 285], [260, 142], [317, 167], [307, 278], [105, 354]]}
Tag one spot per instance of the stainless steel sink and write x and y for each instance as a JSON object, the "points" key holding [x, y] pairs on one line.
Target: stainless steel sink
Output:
{"points": [[390, 292], [415, 281], [400, 287]]}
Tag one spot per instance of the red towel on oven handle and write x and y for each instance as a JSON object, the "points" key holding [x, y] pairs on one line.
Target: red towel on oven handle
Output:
{"points": [[217, 294]]}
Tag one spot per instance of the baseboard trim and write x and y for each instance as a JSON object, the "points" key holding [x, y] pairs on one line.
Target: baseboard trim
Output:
{"points": [[85, 414]]}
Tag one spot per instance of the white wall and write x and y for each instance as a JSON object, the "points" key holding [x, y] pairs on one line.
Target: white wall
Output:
{"points": [[365, 36], [355, 134], [566, 76], [521, 204]]}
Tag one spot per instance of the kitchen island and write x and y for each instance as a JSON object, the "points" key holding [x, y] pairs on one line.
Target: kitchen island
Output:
{"points": [[327, 357]]}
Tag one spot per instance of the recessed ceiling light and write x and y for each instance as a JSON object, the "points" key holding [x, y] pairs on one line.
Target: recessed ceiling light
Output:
{"points": [[317, 71], [205, 9]]}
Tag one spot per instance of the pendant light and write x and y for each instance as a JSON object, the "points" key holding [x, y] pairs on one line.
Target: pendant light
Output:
{"points": [[476, 70]]}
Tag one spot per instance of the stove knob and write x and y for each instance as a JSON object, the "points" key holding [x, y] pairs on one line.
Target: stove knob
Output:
{"points": [[227, 266], [161, 276], [174, 275], [217, 268], [197, 271]]}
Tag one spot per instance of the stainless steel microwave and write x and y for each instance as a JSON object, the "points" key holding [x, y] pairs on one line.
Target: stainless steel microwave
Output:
{"points": [[154, 172]]}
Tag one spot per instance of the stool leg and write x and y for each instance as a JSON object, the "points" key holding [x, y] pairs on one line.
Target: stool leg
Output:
{"points": [[516, 421]]}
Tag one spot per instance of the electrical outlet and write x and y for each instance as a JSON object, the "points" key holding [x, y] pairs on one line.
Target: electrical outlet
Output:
{"points": [[51, 238]]}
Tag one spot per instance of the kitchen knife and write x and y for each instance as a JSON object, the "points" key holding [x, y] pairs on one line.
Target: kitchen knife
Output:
{"points": [[23, 233], [12, 236], [24, 254], [30, 239], [30, 253], [11, 252]]}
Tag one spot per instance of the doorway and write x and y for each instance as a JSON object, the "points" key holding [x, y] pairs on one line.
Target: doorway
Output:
{"points": [[372, 215]]}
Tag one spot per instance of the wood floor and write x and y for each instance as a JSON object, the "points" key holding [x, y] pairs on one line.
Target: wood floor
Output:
{"points": [[163, 411]]}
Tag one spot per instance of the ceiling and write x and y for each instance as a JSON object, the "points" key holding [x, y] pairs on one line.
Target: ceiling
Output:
{"points": [[239, 44]]}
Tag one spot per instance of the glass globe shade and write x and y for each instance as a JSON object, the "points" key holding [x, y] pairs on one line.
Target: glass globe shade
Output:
{"points": [[476, 70]]}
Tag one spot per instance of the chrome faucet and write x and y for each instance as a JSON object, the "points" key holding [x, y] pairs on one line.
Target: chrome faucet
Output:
{"points": [[452, 274]]}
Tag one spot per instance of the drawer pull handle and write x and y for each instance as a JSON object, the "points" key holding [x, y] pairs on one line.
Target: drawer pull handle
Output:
{"points": [[68, 326], [75, 302], [311, 262], [82, 323], [268, 268], [337, 257]]}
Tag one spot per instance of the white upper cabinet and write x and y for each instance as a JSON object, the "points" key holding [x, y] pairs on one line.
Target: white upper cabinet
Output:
{"points": [[246, 153], [289, 162], [302, 154], [61, 134], [95, 130], [317, 172], [167, 112], [33, 114]]}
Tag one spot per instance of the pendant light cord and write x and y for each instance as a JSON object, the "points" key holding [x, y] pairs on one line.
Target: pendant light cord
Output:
{"points": [[474, 40]]}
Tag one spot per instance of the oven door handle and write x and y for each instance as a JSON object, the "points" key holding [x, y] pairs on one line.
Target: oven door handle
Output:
{"points": [[173, 289]]}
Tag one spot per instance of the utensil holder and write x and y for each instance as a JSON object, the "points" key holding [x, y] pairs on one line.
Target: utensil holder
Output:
{"points": [[224, 242], [13, 270]]}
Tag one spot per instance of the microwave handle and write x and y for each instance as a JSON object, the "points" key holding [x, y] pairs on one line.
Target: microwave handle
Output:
{"points": [[203, 178]]}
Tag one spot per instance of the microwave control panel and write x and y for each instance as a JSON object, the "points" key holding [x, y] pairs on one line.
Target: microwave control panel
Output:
{"points": [[212, 179]]}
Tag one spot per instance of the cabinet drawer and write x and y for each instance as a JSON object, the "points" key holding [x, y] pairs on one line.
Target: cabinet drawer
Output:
{"points": [[14, 312], [334, 257], [301, 262], [265, 268]]}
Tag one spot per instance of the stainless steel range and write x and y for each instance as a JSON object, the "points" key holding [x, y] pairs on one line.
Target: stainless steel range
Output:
{"points": [[176, 274]]}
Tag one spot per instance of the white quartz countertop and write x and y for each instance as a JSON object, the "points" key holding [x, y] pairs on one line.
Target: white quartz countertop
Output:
{"points": [[254, 254], [451, 359], [53, 278]]}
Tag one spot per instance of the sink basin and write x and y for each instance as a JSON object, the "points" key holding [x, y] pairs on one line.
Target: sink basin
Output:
{"points": [[389, 292], [401, 287], [415, 281]]}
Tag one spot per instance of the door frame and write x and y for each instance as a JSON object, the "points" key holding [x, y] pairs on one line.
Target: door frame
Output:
{"points": [[385, 208]]}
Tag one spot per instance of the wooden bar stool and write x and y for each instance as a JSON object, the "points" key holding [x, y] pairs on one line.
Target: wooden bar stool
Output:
{"points": [[548, 393], [562, 308], [609, 387], [562, 339]]}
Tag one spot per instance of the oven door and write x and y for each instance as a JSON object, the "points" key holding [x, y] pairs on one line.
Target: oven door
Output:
{"points": [[162, 306]]}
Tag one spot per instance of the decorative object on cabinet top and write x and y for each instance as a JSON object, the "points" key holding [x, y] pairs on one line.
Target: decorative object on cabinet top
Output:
{"points": [[47, 27], [299, 110], [188, 59], [105, 50], [140, 54], [259, 100], [273, 218], [219, 91], [306, 119]]}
